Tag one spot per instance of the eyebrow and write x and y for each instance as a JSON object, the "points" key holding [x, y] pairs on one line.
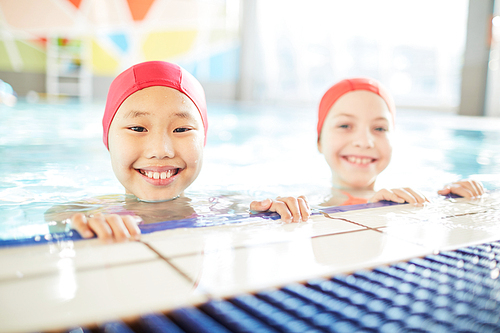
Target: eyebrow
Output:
{"points": [[345, 115], [136, 114], [353, 116], [183, 115]]}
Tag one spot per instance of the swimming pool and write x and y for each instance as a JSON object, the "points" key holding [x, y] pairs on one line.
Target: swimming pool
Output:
{"points": [[53, 154]]}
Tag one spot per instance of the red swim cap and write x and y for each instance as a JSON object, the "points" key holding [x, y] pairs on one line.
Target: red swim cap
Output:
{"points": [[148, 74], [347, 85]]}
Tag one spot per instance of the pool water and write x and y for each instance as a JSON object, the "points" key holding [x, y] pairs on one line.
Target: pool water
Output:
{"points": [[52, 156]]}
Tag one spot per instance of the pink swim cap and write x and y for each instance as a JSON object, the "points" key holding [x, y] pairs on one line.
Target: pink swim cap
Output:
{"points": [[347, 85], [148, 74]]}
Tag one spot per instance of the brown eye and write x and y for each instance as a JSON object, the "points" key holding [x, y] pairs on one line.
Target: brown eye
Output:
{"points": [[139, 129], [181, 130]]}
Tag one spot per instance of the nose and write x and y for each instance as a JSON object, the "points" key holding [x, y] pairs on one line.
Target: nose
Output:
{"points": [[363, 139], [159, 146]]}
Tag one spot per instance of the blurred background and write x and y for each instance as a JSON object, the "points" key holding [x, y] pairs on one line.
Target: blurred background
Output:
{"points": [[441, 55], [264, 65]]}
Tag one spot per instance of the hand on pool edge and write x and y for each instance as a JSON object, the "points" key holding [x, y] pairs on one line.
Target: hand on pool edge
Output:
{"points": [[106, 226], [290, 209], [399, 195], [466, 188]]}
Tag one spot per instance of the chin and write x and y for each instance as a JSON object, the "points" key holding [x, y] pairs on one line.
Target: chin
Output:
{"points": [[157, 197], [360, 184]]}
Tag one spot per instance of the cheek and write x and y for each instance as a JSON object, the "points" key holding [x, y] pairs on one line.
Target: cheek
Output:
{"points": [[193, 152], [118, 161], [330, 146], [122, 153], [386, 146]]}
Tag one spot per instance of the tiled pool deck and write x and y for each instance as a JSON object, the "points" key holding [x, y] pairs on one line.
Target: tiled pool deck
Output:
{"points": [[59, 285]]}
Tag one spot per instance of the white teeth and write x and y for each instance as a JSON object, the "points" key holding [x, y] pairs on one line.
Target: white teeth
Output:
{"points": [[159, 175], [359, 160]]}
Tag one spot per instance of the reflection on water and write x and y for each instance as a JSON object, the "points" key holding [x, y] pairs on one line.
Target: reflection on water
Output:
{"points": [[200, 209], [53, 163]]}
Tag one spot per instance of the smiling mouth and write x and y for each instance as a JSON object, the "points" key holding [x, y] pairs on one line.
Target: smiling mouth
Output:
{"points": [[359, 160], [159, 175]]}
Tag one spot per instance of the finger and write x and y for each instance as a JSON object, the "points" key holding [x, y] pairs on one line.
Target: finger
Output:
{"points": [[303, 197], [419, 197], [261, 206], [132, 226], [445, 191], [405, 195], [462, 191], [478, 188], [293, 207], [281, 208], [117, 225], [305, 211], [386, 195], [481, 188], [100, 227], [79, 223], [378, 196], [468, 185]]}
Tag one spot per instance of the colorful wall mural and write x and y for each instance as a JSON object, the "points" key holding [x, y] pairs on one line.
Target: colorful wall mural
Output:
{"points": [[201, 36]]}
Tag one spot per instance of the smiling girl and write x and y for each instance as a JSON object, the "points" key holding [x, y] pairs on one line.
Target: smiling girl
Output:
{"points": [[155, 126], [355, 124]]}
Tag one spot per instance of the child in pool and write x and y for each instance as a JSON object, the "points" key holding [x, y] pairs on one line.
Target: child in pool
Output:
{"points": [[155, 126], [355, 122]]}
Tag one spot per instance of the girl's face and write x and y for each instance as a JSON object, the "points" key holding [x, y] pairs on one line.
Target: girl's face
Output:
{"points": [[156, 143], [355, 139]]}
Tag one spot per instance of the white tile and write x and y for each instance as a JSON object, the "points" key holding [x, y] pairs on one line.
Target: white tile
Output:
{"points": [[213, 239], [449, 233], [378, 217], [70, 297], [382, 216], [233, 271], [27, 261], [489, 199]]}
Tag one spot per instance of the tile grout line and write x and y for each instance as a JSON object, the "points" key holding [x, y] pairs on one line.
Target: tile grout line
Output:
{"points": [[347, 220], [167, 260], [249, 246], [180, 271], [377, 229], [327, 215], [14, 279]]}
